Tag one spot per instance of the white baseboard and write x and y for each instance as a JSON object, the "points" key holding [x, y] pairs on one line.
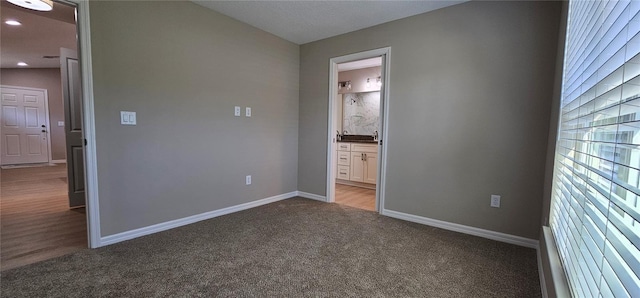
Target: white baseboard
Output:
{"points": [[111, 239], [312, 196], [543, 282], [502, 237], [57, 161]]}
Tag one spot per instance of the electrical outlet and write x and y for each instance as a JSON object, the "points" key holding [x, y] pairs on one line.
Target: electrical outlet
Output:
{"points": [[248, 180], [247, 112], [236, 111], [495, 201]]}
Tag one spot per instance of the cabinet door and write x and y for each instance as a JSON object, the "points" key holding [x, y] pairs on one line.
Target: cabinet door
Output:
{"points": [[343, 172], [344, 146], [344, 158], [370, 168], [357, 167]]}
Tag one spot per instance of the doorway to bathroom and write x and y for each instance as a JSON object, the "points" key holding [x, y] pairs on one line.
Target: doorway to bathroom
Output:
{"points": [[356, 151]]}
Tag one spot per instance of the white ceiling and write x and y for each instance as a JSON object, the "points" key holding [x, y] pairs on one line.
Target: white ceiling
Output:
{"points": [[306, 21], [41, 33]]}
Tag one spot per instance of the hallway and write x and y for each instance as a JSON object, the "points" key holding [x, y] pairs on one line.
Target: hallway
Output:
{"points": [[35, 221]]}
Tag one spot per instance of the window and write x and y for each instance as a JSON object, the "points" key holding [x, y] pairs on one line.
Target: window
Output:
{"points": [[595, 210]]}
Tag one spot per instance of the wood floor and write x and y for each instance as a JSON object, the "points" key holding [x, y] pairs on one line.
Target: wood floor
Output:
{"points": [[35, 221], [357, 197]]}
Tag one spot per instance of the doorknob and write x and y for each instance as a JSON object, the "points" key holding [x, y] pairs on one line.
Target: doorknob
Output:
{"points": [[43, 126], [44, 130]]}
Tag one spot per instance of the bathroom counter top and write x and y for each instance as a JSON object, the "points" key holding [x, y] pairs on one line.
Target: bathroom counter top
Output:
{"points": [[358, 141]]}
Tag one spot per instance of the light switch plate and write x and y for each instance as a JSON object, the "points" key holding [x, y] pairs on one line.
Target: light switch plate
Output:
{"points": [[248, 180], [495, 201], [60, 123], [236, 111], [247, 112], [127, 118]]}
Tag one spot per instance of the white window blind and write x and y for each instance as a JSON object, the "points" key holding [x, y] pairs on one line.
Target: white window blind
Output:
{"points": [[595, 209]]}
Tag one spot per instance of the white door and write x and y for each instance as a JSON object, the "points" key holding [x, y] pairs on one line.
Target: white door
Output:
{"points": [[23, 131]]}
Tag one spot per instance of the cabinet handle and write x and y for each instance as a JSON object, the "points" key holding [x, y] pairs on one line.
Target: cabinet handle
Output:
{"points": [[361, 156], [365, 157], [343, 173], [343, 158]]}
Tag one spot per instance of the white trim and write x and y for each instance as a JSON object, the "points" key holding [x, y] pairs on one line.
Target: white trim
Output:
{"points": [[382, 156], [384, 107], [46, 114], [111, 239], [88, 128], [543, 282], [307, 195], [559, 279], [502, 237], [332, 167], [57, 161]]}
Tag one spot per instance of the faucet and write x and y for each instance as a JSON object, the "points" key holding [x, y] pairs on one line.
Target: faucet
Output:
{"points": [[375, 135]]}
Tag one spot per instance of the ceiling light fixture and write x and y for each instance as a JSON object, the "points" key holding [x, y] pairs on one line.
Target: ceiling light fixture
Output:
{"points": [[40, 5], [12, 23], [22, 64]]}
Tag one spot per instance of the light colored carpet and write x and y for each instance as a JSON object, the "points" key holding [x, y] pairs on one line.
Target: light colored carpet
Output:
{"points": [[292, 248]]}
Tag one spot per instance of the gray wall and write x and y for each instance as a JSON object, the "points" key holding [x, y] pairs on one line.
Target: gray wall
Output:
{"points": [[183, 68], [49, 79], [477, 79]]}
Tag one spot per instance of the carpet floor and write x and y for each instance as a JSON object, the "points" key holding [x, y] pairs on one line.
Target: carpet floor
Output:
{"points": [[292, 248]]}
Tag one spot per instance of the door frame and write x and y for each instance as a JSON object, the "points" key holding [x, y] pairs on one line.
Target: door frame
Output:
{"points": [[88, 121], [46, 117], [384, 116]]}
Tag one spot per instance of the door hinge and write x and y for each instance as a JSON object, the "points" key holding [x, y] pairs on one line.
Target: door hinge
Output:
{"points": [[85, 142]]}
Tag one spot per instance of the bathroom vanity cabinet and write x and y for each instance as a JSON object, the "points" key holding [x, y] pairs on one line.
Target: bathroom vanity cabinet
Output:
{"points": [[357, 162]]}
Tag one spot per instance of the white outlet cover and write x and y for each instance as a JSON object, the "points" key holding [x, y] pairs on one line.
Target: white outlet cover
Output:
{"points": [[495, 201], [236, 111], [247, 112], [248, 180], [60, 123]]}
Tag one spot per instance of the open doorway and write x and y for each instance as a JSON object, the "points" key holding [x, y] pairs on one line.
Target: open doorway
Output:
{"points": [[40, 212], [356, 156], [358, 124]]}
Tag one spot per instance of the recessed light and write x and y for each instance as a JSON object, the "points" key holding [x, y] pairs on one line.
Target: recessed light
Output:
{"points": [[12, 22], [40, 5], [22, 64]]}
